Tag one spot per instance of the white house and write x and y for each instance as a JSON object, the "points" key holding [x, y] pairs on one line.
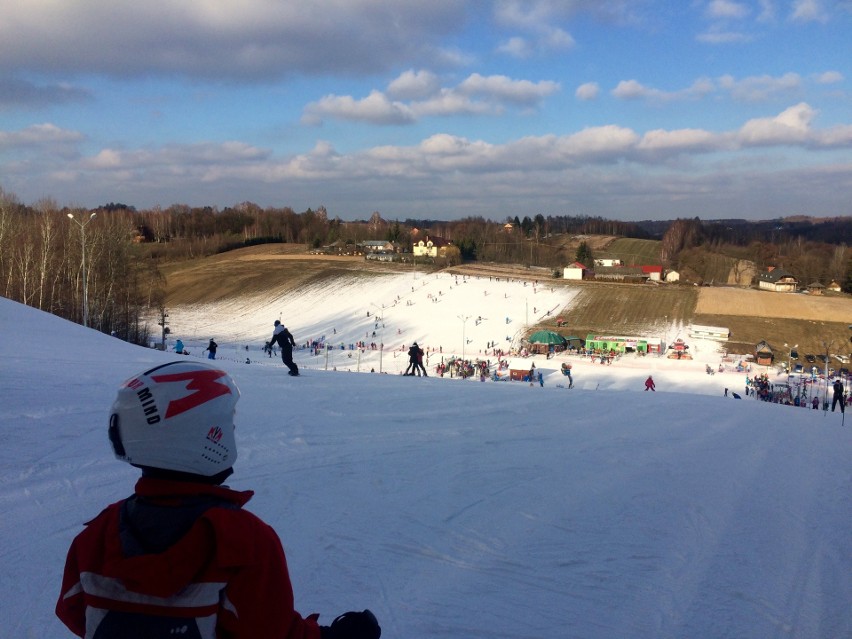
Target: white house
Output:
{"points": [[778, 280], [575, 271], [609, 262], [429, 247]]}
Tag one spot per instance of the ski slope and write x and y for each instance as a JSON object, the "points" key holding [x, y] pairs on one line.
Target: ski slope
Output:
{"points": [[453, 508]]}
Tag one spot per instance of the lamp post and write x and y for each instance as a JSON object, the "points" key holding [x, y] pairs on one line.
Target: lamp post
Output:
{"points": [[790, 350], [82, 226], [464, 319]]}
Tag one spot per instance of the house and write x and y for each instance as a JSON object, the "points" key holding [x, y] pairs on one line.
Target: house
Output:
{"points": [[672, 276], [778, 280], [429, 246], [575, 271], [654, 273], [763, 354], [834, 287], [608, 262], [816, 288], [378, 246]]}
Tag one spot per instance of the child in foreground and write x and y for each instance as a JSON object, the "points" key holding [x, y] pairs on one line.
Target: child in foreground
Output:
{"points": [[180, 557]]}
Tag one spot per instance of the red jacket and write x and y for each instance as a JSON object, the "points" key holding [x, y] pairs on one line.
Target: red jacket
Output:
{"points": [[227, 575]]}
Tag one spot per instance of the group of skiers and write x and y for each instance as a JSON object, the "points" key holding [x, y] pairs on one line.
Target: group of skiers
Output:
{"points": [[415, 362]]}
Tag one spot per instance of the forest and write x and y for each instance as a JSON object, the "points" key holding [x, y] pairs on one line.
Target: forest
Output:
{"points": [[100, 266]]}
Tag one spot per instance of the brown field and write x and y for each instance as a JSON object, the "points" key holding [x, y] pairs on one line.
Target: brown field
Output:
{"points": [[815, 323]]}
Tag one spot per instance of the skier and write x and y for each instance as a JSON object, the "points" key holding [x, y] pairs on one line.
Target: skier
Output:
{"points": [[179, 347], [180, 557], [838, 396], [419, 363], [211, 349], [649, 384], [413, 367], [284, 339]]}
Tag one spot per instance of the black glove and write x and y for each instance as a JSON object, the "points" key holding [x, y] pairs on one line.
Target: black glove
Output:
{"points": [[353, 625]]}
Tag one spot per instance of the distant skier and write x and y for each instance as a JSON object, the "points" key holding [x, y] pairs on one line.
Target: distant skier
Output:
{"points": [[838, 396], [284, 339], [211, 349], [649, 384]]}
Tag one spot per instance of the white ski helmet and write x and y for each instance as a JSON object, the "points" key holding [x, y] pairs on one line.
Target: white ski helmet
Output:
{"points": [[178, 416]]}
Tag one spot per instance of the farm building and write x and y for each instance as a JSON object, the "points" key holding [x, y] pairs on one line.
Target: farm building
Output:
{"points": [[620, 344], [718, 333], [763, 354], [608, 262], [575, 271], [778, 280]]}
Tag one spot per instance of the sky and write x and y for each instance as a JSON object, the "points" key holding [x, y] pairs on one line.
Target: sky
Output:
{"points": [[440, 109], [457, 509]]}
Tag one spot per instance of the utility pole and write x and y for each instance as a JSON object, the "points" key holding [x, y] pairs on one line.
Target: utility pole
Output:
{"points": [[165, 326]]}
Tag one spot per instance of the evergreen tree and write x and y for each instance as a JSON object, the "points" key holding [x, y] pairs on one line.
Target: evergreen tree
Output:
{"points": [[584, 255]]}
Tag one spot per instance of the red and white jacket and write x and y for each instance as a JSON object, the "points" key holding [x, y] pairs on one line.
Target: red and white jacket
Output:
{"points": [[226, 577]]}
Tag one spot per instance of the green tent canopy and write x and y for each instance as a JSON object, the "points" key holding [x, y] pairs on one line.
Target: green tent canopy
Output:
{"points": [[547, 337]]}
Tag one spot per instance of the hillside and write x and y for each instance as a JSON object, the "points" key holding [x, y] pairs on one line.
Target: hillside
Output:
{"points": [[277, 270]]}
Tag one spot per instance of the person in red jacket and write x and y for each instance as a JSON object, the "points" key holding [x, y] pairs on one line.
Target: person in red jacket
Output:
{"points": [[649, 384], [180, 557]]}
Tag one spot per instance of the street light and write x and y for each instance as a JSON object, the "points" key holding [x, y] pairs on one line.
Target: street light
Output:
{"points": [[82, 226], [790, 356], [464, 319]]}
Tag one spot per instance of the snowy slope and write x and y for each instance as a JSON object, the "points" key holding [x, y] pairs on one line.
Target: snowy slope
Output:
{"points": [[459, 509]]}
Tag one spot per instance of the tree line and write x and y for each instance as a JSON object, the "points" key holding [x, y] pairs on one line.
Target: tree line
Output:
{"points": [[41, 249]]}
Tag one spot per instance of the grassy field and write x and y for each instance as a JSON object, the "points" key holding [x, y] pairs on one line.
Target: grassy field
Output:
{"points": [[815, 323], [634, 252]]}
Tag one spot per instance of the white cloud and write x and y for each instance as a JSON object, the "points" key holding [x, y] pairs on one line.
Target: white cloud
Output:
{"points": [[761, 88], [539, 20], [635, 90], [829, 77], [413, 85], [503, 88], [38, 135], [477, 94], [727, 9], [375, 108], [588, 91], [791, 126], [808, 11], [517, 47]]}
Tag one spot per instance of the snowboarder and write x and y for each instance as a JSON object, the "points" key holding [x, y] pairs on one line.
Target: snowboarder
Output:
{"points": [[181, 556], [179, 347], [649, 384], [211, 349], [838, 396], [284, 339]]}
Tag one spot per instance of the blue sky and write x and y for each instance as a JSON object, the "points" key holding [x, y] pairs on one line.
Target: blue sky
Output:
{"points": [[626, 109]]}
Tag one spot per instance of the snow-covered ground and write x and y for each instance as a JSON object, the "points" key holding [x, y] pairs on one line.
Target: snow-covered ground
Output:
{"points": [[456, 508]]}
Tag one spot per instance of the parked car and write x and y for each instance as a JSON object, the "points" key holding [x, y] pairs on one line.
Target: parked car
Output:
{"points": [[822, 358], [794, 354], [811, 359], [797, 368]]}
